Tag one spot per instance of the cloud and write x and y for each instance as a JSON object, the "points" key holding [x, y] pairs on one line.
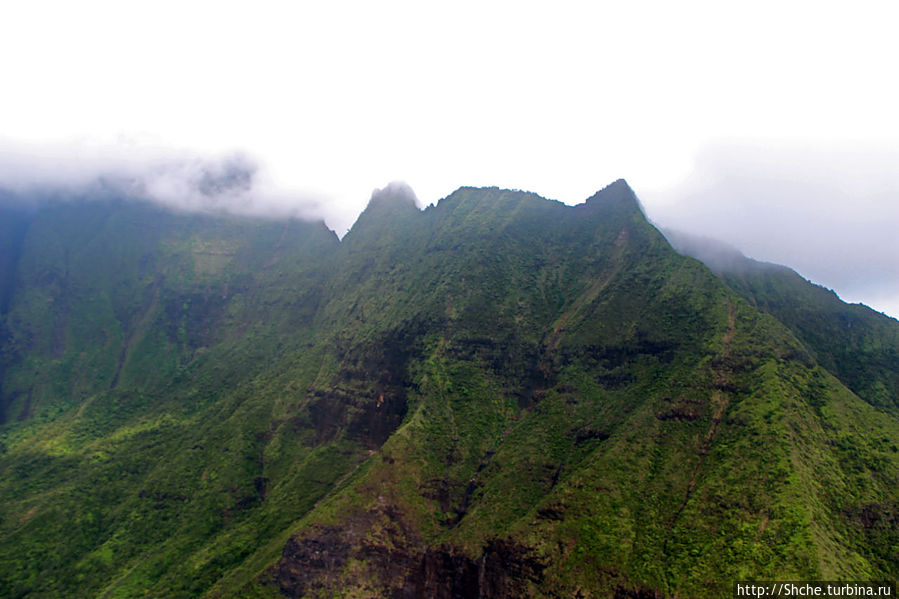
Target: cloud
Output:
{"points": [[831, 213], [231, 183]]}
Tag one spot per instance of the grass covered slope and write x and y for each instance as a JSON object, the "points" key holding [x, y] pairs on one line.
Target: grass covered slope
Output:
{"points": [[496, 396]]}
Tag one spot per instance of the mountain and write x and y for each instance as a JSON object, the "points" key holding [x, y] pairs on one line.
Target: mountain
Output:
{"points": [[856, 344], [496, 396]]}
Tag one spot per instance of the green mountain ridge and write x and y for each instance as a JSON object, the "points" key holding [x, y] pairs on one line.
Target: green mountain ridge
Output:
{"points": [[857, 344], [495, 396]]}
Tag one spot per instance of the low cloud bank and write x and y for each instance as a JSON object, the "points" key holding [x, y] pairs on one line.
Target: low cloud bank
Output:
{"points": [[232, 183], [832, 214]]}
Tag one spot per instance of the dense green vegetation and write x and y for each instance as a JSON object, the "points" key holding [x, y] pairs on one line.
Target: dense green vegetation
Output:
{"points": [[858, 345], [497, 395]]}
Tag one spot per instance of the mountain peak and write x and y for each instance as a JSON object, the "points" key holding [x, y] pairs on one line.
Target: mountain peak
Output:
{"points": [[491, 397], [394, 202], [396, 194], [617, 192], [615, 198]]}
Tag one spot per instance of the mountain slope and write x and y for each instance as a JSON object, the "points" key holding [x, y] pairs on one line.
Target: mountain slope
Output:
{"points": [[858, 345], [656, 439], [496, 396]]}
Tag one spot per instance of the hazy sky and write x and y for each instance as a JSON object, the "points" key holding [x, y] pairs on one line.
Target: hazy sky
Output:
{"points": [[772, 125]]}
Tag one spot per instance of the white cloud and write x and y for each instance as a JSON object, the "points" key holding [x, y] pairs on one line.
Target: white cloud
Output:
{"points": [[831, 213], [335, 99], [228, 183]]}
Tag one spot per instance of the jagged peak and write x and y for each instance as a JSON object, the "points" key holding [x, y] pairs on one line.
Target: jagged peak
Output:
{"points": [[619, 183], [394, 194], [616, 192], [396, 201], [617, 197]]}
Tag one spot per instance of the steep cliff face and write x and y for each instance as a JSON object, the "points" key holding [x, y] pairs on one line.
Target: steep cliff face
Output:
{"points": [[317, 565], [497, 396]]}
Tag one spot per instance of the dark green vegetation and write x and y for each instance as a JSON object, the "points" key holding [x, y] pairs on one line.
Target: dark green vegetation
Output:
{"points": [[856, 344], [497, 396]]}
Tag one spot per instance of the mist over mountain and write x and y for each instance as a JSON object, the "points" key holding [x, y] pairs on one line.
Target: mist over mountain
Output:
{"points": [[719, 256], [851, 340], [827, 210], [231, 183], [495, 396], [823, 210]]}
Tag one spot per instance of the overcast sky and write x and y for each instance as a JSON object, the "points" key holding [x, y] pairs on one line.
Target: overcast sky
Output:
{"points": [[772, 125]]}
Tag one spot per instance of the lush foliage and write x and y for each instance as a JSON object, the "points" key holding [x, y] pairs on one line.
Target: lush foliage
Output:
{"points": [[497, 393]]}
